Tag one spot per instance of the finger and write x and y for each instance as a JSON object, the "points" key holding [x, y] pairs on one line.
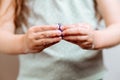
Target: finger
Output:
{"points": [[47, 34], [79, 39], [39, 47], [47, 41], [81, 25], [84, 25], [44, 28], [76, 38], [67, 27], [75, 31], [86, 45], [35, 51], [90, 40]]}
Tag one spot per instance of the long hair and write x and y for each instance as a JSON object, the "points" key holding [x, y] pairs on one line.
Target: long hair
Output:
{"points": [[22, 12], [97, 14]]}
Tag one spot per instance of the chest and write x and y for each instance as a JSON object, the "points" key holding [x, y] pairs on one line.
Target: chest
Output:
{"points": [[61, 11]]}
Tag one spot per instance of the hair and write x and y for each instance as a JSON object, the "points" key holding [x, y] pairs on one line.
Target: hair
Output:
{"points": [[97, 14], [22, 12]]}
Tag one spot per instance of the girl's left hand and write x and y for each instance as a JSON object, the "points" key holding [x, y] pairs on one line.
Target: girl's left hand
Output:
{"points": [[80, 34]]}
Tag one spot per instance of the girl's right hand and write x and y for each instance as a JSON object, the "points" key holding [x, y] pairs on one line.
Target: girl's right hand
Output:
{"points": [[38, 38]]}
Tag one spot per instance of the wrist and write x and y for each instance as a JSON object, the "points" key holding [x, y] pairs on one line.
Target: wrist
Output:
{"points": [[22, 46], [105, 39], [98, 39]]}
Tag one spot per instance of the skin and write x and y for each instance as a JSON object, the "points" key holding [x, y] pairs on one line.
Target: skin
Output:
{"points": [[80, 34], [84, 36], [38, 38], [34, 40]]}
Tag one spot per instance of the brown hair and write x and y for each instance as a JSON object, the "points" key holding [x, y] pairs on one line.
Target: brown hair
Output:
{"points": [[21, 13], [97, 14]]}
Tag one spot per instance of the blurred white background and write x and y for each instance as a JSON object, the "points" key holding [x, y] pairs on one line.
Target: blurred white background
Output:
{"points": [[112, 63]]}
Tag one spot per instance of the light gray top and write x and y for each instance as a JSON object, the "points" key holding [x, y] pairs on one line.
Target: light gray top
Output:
{"points": [[64, 60]]}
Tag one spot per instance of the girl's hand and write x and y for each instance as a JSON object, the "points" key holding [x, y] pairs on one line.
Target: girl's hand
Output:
{"points": [[40, 37], [80, 34]]}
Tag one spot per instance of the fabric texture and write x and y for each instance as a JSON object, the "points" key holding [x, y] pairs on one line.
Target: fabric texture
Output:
{"points": [[64, 60]]}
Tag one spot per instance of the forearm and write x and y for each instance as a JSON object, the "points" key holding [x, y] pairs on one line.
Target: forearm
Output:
{"points": [[108, 37], [111, 15], [11, 43]]}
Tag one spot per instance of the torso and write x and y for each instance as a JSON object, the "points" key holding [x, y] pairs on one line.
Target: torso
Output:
{"points": [[64, 60]]}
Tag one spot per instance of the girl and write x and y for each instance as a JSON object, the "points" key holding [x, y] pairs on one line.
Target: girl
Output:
{"points": [[71, 51]]}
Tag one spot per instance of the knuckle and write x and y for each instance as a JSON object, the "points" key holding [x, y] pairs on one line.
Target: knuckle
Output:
{"points": [[58, 33], [31, 29], [31, 47], [79, 30], [78, 38], [42, 35], [31, 37], [42, 42], [42, 28], [90, 40]]}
